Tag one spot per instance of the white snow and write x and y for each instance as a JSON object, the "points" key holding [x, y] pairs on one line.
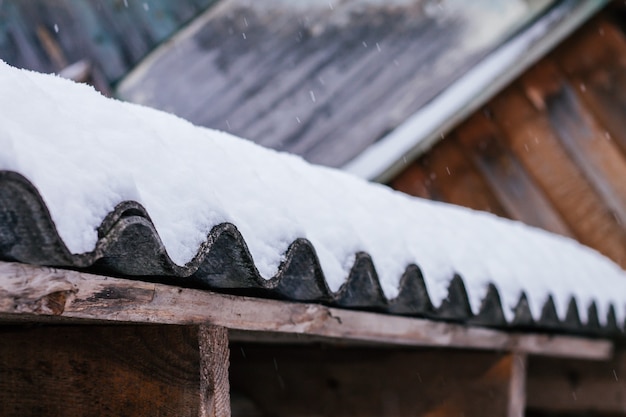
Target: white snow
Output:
{"points": [[86, 153]]}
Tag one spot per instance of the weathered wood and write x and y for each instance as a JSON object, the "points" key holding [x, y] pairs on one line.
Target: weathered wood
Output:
{"points": [[567, 386], [446, 174], [99, 370], [41, 293], [414, 180], [517, 385], [329, 79], [595, 62], [113, 34], [317, 380], [598, 157], [534, 142], [214, 385], [522, 198], [599, 160]]}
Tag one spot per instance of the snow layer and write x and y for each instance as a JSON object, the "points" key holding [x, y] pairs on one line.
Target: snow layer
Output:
{"points": [[86, 153]]}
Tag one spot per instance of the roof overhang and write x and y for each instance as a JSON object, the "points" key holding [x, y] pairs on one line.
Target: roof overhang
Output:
{"points": [[385, 158]]}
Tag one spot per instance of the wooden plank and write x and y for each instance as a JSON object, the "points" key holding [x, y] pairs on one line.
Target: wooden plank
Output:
{"points": [[448, 175], [324, 87], [42, 293], [214, 384], [599, 160], [517, 385], [534, 142], [604, 95], [523, 199], [113, 34], [99, 370], [595, 63], [568, 386], [414, 180], [314, 381]]}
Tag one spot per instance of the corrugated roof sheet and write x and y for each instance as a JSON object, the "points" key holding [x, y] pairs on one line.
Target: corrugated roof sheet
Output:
{"points": [[89, 182], [128, 245]]}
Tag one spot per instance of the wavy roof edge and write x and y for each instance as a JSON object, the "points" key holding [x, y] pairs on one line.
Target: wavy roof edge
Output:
{"points": [[129, 246], [385, 158]]}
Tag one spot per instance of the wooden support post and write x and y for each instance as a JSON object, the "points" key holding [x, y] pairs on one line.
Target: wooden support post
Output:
{"points": [[214, 386], [517, 385]]}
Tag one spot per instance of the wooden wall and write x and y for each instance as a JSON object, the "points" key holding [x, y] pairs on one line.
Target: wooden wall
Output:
{"points": [[550, 150]]}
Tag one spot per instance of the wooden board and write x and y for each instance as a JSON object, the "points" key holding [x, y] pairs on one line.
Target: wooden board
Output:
{"points": [[93, 370], [539, 149], [114, 371], [550, 150], [595, 63], [446, 174], [214, 381], [524, 201], [113, 34], [328, 79], [42, 294], [319, 381], [568, 386], [599, 159]]}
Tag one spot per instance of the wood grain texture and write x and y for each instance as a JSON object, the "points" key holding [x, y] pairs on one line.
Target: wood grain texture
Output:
{"points": [[323, 381], [113, 34], [517, 385], [320, 80], [447, 174], [539, 149], [595, 63], [40, 293], [523, 199], [214, 383], [99, 370], [550, 150], [599, 159], [568, 386]]}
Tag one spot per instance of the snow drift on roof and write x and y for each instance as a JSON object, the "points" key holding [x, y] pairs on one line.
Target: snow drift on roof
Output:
{"points": [[85, 154]]}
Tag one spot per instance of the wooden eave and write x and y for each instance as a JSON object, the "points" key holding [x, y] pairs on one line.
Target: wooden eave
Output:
{"points": [[80, 344], [46, 295]]}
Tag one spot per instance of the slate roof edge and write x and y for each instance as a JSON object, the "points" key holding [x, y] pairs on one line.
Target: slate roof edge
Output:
{"points": [[129, 246], [388, 156]]}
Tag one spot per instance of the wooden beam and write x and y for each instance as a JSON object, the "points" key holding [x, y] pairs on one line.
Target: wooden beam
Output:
{"points": [[517, 385], [46, 294], [214, 385]]}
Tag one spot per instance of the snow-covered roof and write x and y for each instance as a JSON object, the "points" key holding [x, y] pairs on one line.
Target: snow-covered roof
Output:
{"points": [[87, 181]]}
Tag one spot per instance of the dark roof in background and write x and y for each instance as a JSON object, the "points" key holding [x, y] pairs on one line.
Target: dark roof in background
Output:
{"points": [[129, 246], [316, 78], [114, 35]]}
